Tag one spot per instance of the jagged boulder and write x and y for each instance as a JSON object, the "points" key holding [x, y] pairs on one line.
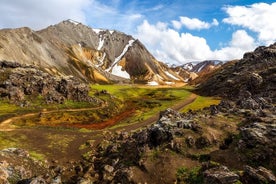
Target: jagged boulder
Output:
{"points": [[159, 135], [260, 175], [16, 165], [220, 175]]}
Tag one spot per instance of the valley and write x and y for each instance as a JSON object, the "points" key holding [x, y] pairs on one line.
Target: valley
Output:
{"points": [[42, 130]]}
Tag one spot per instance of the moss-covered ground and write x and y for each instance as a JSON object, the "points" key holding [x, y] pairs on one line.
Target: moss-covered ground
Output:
{"points": [[59, 130]]}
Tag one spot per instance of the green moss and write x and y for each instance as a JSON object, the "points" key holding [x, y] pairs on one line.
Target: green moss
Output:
{"points": [[59, 142], [10, 139], [37, 156], [200, 103], [7, 108], [84, 130], [189, 176]]}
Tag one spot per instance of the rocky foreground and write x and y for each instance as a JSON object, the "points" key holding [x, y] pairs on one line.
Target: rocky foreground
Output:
{"points": [[127, 157]]}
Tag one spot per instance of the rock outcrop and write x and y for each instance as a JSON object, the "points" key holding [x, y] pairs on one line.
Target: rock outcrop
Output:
{"points": [[253, 75], [20, 83]]}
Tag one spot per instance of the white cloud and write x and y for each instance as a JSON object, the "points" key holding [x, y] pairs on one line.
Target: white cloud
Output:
{"points": [[215, 22], [40, 14], [240, 43], [169, 46], [258, 17], [193, 23], [242, 40]]}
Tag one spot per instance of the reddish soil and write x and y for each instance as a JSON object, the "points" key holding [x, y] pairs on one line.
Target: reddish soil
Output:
{"points": [[108, 123], [155, 117], [36, 138]]}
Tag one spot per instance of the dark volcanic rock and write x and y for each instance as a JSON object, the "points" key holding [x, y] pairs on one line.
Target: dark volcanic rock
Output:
{"points": [[220, 175], [202, 142], [254, 73], [158, 136], [260, 175], [19, 81], [16, 165]]}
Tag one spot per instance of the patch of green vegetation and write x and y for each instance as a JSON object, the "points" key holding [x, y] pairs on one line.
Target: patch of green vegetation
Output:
{"points": [[85, 130], [189, 176], [86, 145], [147, 101], [7, 108], [238, 182], [70, 104], [154, 154], [9, 140], [37, 156], [59, 142], [87, 155], [200, 103]]}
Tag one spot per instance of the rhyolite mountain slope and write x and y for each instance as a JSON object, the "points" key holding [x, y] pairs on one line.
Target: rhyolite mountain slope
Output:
{"points": [[93, 55], [193, 70]]}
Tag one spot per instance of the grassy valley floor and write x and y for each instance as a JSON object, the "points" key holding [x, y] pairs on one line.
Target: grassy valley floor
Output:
{"points": [[66, 131]]}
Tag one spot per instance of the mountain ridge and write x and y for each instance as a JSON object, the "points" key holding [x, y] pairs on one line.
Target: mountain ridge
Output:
{"points": [[93, 55]]}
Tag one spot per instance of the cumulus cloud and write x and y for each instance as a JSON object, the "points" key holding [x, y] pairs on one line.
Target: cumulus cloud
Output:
{"points": [[240, 43], [40, 14], [170, 46], [193, 23], [257, 17]]}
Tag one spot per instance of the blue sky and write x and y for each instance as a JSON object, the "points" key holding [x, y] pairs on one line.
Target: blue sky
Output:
{"points": [[175, 31]]}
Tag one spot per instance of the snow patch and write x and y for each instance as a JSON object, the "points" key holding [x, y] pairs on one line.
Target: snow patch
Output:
{"points": [[117, 70], [201, 68], [111, 31], [171, 76], [101, 43], [170, 83], [186, 80], [73, 21], [97, 30], [130, 42], [153, 83], [189, 66], [101, 60]]}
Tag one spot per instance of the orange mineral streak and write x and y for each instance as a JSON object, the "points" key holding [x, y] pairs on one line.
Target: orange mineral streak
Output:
{"points": [[108, 123]]}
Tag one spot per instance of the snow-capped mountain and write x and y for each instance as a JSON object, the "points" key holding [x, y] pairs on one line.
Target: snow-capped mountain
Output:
{"points": [[190, 71], [93, 55]]}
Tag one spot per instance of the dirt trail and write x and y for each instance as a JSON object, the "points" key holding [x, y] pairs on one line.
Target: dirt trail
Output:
{"points": [[36, 137], [148, 121], [155, 117], [6, 124]]}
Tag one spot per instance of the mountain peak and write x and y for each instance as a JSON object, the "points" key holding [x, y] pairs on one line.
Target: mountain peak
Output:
{"points": [[72, 21], [93, 55]]}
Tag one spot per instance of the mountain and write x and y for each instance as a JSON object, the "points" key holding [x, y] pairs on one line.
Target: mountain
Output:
{"points": [[255, 74], [192, 70], [92, 55]]}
